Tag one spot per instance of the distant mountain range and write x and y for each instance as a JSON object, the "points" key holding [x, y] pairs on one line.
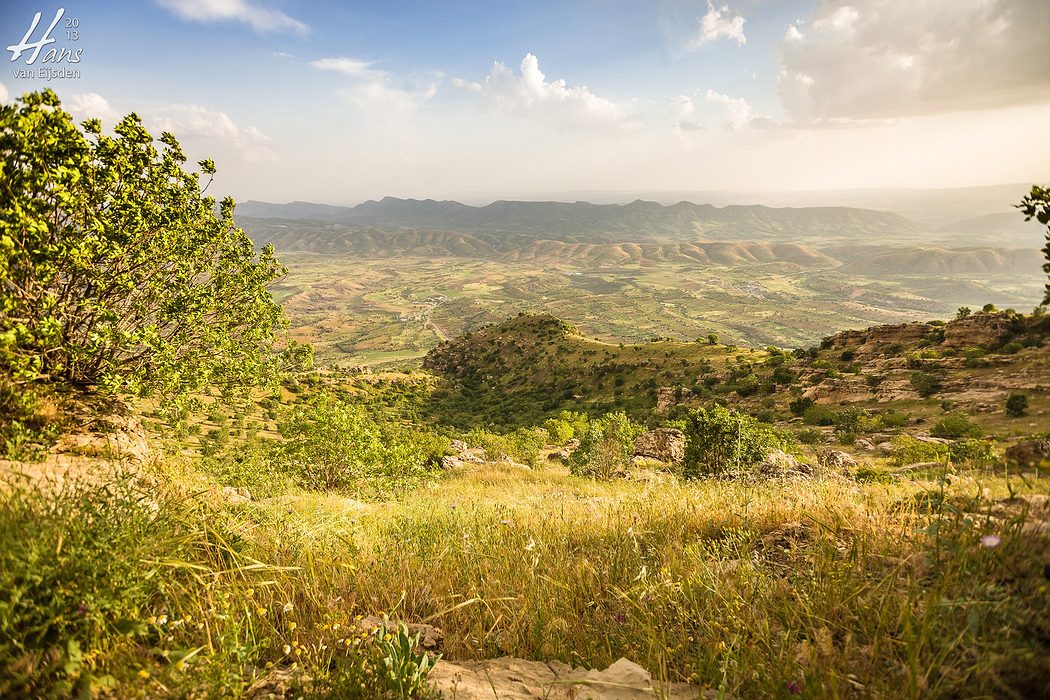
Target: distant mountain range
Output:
{"points": [[582, 222]]}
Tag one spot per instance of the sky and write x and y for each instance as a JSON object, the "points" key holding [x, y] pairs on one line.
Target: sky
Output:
{"points": [[340, 102]]}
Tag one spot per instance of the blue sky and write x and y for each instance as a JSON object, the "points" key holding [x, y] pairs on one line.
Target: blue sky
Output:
{"points": [[343, 101]]}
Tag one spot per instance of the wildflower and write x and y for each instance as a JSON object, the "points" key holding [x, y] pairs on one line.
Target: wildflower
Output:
{"points": [[250, 592], [151, 620], [619, 618], [143, 673], [269, 664], [990, 541], [531, 545], [288, 607], [82, 610], [794, 687], [504, 522], [260, 611], [292, 625], [162, 620], [180, 665], [287, 649]]}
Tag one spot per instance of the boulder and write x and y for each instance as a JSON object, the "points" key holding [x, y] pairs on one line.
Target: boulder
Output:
{"points": [[1029, 453], [509, 678], [663, 444], [780, 463], [836, 460], [235, 495]]}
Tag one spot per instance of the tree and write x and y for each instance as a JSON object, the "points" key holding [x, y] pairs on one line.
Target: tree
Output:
{"points": [[116, 270], [1036, 204], [718, 440], [1016, 405]]}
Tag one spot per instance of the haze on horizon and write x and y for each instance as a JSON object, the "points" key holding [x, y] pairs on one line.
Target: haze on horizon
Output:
{"points": [[342, 102]]}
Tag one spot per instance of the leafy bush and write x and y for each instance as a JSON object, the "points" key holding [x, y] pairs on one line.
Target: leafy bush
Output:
{"points": [[256, 466], [405, 668], [955, 425], [1011, 348], [605, 451], [718, 440], [74, 564], [925, 383], [1016, 405], [818, 415], [799, 406], [979, 453], [908, 450], [523, 445], [331, 443], [558, 431], [810, 436]]}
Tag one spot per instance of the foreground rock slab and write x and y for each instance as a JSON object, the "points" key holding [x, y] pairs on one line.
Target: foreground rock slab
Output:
{"points": [[509, 678]]}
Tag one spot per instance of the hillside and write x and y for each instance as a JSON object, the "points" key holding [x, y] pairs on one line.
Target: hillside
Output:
{"points": [[532, 366], [583, 221]]}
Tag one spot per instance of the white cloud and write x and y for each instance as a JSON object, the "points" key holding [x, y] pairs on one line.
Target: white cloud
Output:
{"points": [[719, 23], [737, 110], [261, 19], [353, 67], [469, 86], [196, 122], [3, 93], [894, 58], [530, 94], [682, 107], [283, 54], [91, 105], [373, 91]]}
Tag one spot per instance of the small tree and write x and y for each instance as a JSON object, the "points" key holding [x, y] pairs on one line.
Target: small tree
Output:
{"points": [[605, 450], [718, 440], [116, 270], [963, 312], [1036, 204], [1016, 405]]}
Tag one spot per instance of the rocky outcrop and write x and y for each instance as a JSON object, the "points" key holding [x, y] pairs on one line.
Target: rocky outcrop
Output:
{"points": [[836, 460], [518, 679], [663, 444], [880, 339], [1029, 453], [983, 330]]}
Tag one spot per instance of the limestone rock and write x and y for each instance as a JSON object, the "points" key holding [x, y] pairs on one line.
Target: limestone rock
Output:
{"points": [[1029, 453], [518, 679], [664, 444], [780, 463], [834, 459]]}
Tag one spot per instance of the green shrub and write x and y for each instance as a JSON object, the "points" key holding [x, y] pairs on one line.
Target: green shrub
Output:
{"points": [[718, 440], [1011, 348], [893, 420], [256, 466], [908, 450], [1016, 405], [605, 451], [925, 383], [818, 415], [810, 436], [799, 406], [955, 425], [558, 431], [522, 446], [979, 453], [74, 565]]}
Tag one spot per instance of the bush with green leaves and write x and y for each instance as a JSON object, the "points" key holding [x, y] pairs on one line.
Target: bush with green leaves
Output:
{"points": [[118, 271], [1016, 405], [926, 384], [605, 450], [522, 445], [977, 453], [333, 443], [908, 450], [720, 440], [956, 425]]}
